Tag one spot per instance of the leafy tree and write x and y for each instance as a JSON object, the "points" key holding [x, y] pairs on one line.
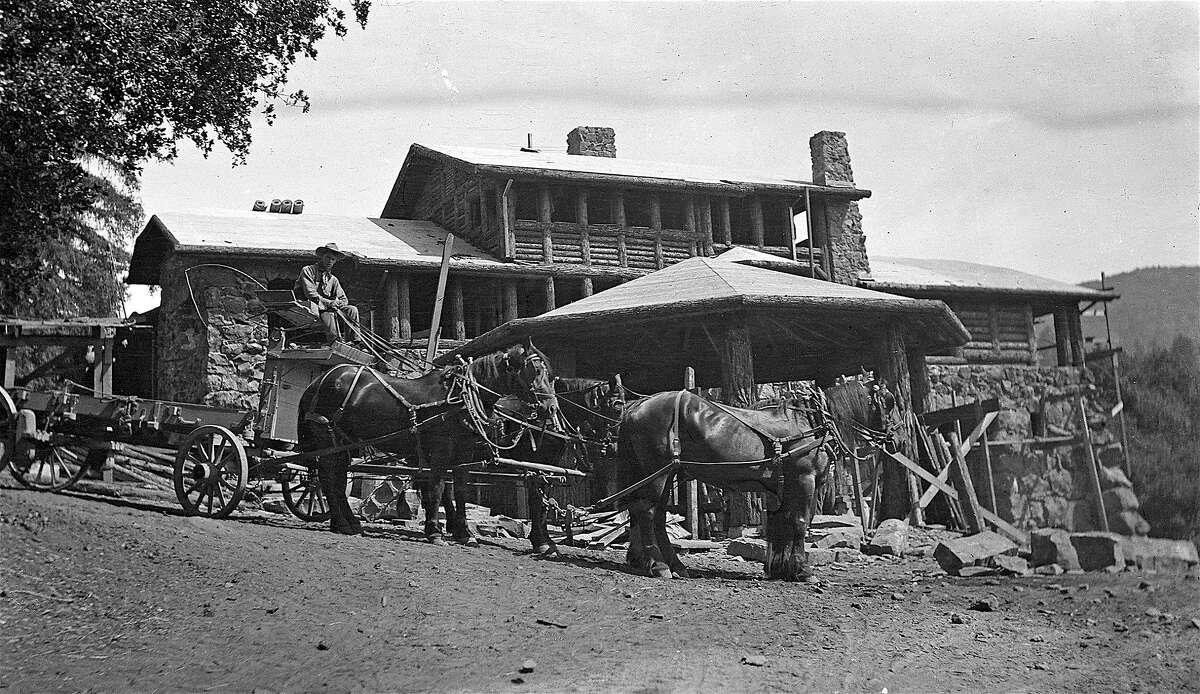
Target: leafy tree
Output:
{"points": [[1162, 397], [92, 89]]}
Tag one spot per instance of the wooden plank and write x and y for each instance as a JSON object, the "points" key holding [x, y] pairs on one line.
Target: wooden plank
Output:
{"points": [[439, 298], [973, 411], [1003, 525], [1093, 472], [960, 476], [102, 371]]}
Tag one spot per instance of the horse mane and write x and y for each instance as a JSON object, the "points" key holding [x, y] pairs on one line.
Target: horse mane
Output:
{"points": [[850, 401], [488, 369]]}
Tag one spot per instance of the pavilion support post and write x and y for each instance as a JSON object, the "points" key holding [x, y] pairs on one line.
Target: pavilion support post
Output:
{"points": [[918, 376], [458, 325], [391, 307], [404, 306], [690, 490], [738, 389], [706, 224], [509, 311], [1062, 336], [725, 225], [618, 210], [548, 293], [1076, 331], [586, 286], [656, 228], [8, 362], [581, 218], [544, 215], [102, 371], [891, 366], [756, 221]]}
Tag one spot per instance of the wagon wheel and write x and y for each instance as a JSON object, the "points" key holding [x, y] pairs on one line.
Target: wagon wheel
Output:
{"points": [[303, 496], [210, 472], [51, 467], [8, 426]]}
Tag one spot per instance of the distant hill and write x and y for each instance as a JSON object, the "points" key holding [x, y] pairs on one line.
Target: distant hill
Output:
{"points": [[1156, 304]]}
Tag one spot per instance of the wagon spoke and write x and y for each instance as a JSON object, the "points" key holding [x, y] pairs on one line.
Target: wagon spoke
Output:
{"points": [[319, 495], [210, 501], [219, 455], [221, 493], [60, 464]]}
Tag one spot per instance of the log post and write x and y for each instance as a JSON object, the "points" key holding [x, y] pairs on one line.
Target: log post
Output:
{"points": [[586, 286], [619, 210], [1076, 331], [738, 389], [1093, 471], [8, 362], [548, 293], [102, 371], [458, 326], [544, 215], [706, 224], [690, 503], [918, 375], [725, 225], [756, 221], [581, 218], [1062, 336], [656, 228], [891, 366], [960, 476], [404, 306], [510, 300], [391, 307]]}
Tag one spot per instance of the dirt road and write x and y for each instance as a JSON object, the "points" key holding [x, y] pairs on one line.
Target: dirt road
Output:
{"points": [[120, 594]]}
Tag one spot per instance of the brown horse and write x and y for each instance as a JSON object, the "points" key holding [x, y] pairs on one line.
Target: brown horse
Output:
{"points": [[864, 414], [432, 421], [591, 409], [778, 450]]}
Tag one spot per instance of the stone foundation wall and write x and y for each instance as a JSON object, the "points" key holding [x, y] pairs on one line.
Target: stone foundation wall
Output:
{"points": [[1038, 486]]}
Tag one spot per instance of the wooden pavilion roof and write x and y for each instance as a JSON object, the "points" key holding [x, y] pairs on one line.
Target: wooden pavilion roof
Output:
{"points": [[672, 318]]}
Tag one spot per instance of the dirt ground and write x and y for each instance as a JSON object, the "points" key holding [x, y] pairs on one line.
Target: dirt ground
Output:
{"points": [[124, 594]]}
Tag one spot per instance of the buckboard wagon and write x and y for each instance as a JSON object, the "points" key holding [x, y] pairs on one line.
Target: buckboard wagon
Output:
{"points": [[50, 440]]}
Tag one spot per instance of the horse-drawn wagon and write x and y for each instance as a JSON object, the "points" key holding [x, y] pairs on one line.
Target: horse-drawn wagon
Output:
{"points": [[52, 439]]}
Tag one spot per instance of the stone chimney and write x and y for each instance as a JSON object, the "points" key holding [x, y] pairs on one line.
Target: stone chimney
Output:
{"points": [[838, 221], [591, 141]]}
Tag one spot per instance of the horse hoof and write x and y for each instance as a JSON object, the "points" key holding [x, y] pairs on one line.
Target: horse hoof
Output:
{"points": [[436, 541], [546, 552], [680, 573], [662, 571], [466, 541], [351, 530]]}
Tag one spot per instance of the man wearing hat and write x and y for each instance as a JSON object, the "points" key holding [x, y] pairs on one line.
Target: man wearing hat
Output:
{"points": [[318, 286]]}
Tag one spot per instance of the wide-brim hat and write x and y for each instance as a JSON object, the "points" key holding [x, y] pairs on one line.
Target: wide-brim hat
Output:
{"points": [[330, 248]]}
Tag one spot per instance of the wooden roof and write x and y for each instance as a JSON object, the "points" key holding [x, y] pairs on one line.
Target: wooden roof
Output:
{"points": [[669, 318], [618, 171], [931, 277], [414, 243]]}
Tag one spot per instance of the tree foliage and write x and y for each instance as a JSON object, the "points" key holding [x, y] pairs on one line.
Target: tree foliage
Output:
{"points": [[1162, 396], [92, 89]]}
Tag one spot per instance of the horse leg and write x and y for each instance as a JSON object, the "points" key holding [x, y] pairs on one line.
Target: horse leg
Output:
{"points": [[535, 491], [456, 511], [431, 496], [787, 528], [635, 554], [649, 514], [662, 540], [332, 469]]}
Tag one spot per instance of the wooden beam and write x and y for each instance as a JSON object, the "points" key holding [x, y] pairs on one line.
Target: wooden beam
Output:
{"points": [[960, 476], [544, 217], [581, 218], [891, 366], [1093, 471], [102, 371], [619, 210], [972, 410], [918, 375], [508, 221], [8, 362], [1076, 330], [438, 299], [586, 286], [1001, 524], [737, 366], [1062, 336], [548, 293], [655, 212], [706, 224]]}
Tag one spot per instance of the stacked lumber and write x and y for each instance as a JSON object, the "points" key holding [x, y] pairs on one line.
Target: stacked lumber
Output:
{"points": [[605, 529]]}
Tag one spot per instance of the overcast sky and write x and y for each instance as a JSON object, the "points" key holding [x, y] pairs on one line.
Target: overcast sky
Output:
{"points": [[1056, 138]]}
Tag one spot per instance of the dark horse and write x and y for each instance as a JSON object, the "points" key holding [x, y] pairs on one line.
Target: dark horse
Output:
{"points": [[352, 404], [777, 450], [863, 412], [591, 410]]}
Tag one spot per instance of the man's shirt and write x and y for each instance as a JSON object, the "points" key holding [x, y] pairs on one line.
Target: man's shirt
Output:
{"points": [[321, 288]]}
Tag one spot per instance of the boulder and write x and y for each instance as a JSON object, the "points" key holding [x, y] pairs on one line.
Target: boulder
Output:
{"points": [[841, 537], [890, 539], [823, 522], [752, 548], [1120, 498], [1128, 523], [1098, 550], [1053, 546], [848, 556], [1012, 565], [1158, 554], [1112, 476], [971, 550], [820, 556]]}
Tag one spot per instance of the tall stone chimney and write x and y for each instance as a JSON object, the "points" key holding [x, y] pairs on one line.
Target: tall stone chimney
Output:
{"points": [[591, 141], [839, 222]]}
